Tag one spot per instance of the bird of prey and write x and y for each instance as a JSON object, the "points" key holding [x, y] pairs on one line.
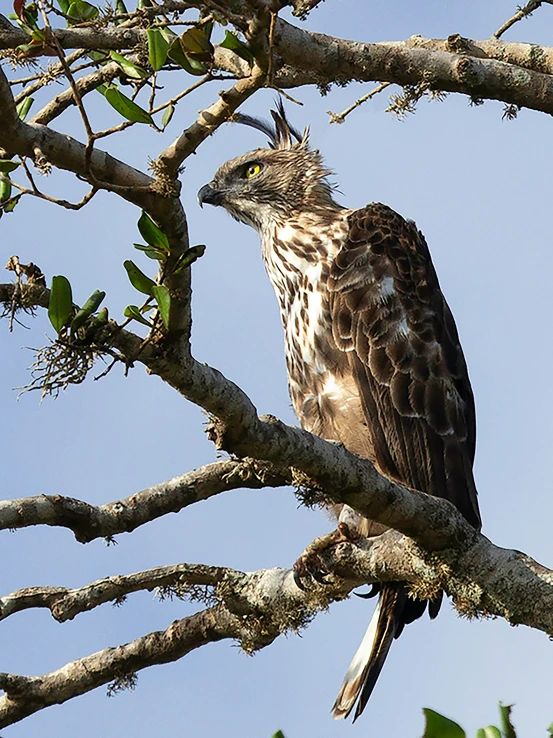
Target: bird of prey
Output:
{"points": [[372, 351]]}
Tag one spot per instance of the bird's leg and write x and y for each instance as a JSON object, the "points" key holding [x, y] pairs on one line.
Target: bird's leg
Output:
{"points": [[310, 563]]}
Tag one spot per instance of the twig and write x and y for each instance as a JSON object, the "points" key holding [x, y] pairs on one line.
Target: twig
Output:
{"points": [[35, 277], [65, 99], [521, 13], [54, 200], [288, 97], [270, 65], [340, 117], [67, 71], [127, 124], [45, 77], [65, 603]]}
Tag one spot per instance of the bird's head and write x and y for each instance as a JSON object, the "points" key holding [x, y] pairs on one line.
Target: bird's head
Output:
{"points": [[271, 184]]}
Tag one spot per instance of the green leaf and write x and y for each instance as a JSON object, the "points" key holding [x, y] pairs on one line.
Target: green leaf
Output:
{"points": [[102, 89], [167, 34], [490, 732], [129, 68], [103, 316], [5, 189], [189, 257], [93, 302], [38, 35], [100, 57], [550, 729], [138, 279], [207, 28], [64, 5], [90, 307], [126, 107], [239, 47], [507, 727], [9, 207], [29, 49], [438, 726], [141, 4], [152, 234], [96, 323], [120, 7], [7, 165], [192, 66], [278, 734], [158, 46], [132, 311], [27, 13], [150, 252], [196, 44], [167, 115], [163, 299], [24, 107], [80, 11], [60, 305]]}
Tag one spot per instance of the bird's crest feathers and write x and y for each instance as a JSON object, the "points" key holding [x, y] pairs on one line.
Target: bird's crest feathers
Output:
{"points": [[281, 134]]}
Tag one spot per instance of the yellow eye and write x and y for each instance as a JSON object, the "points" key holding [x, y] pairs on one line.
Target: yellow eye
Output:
{"points": [[252, 170]]}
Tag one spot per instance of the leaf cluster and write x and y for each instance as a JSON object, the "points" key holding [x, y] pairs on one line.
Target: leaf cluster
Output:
{"points": [[439, 726]]}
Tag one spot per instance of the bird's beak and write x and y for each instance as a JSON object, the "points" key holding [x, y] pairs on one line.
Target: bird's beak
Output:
{"points": [[209, 195]]}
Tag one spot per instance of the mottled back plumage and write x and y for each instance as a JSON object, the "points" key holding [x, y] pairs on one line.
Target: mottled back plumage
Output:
{"points": [[372, 350]]}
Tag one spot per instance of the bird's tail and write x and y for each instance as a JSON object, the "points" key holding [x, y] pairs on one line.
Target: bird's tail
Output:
{"points": [[386, 623]]}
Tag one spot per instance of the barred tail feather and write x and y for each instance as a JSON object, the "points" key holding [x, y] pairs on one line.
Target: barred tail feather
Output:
{"points": [[370, 656]]}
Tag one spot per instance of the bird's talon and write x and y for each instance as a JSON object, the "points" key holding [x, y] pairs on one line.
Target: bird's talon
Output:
{"points": [[373, 591], [298, 577], [320, 577]]}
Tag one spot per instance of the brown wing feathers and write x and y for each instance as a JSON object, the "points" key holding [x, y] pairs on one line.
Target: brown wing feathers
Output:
{"points": [[388, 313]]}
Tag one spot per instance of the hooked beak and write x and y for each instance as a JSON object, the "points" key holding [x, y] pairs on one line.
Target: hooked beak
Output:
{"points": [[209, 195]]}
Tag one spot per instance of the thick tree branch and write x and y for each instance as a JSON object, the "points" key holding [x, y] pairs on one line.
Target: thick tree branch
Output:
{"points": [[344, 477], [31, 139], [158, 198], [481, 577], [319, 464], [26, 695], [516, 73], [89, 522], [256, 608], [334, 60]]}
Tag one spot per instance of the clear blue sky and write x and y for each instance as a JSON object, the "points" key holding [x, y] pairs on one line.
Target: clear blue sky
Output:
{"points": [[480, 189]]}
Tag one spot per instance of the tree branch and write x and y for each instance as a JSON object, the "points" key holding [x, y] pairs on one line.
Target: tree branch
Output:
{"points": [[319, 465], [256, 608], [65, 604], [89, 522], [488, 69], [208, 121], [524, 12], [27, 695]]}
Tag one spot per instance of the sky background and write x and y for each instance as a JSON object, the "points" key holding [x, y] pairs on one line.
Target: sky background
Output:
{"points": [[480, 189]]}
